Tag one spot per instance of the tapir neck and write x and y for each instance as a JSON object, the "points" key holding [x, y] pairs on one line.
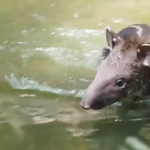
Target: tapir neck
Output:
{"points": [[145, 81]]}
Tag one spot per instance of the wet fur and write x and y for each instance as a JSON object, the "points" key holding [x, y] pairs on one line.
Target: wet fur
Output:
{"points": [[125, 61], [134, 42], [131, 37]]}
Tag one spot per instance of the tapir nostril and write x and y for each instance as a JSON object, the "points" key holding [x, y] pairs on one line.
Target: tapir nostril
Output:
{"points": [[84, 106]]}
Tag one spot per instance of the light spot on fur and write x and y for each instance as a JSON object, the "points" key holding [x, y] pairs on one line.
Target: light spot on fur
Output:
{"points": [[146, 63], [114, 39], [119, 55], [145, 44], [130, 91], [109, 48], [139, 30]]}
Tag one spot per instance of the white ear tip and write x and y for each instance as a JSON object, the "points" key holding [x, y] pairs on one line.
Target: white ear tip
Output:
{"points": [[107, 28], [145, 44]]}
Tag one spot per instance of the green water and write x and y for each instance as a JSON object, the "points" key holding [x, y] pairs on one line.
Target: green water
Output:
{"points": [[48, 56]]}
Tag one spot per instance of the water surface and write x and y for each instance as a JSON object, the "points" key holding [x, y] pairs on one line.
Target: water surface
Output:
{"points": [[48, 56]]}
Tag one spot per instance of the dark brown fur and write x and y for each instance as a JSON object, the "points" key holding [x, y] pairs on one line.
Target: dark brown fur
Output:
{"points": [[134, 42], [127, 63]]}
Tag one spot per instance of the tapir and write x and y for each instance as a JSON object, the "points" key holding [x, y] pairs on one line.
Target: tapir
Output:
{"points": [[125, 69]]}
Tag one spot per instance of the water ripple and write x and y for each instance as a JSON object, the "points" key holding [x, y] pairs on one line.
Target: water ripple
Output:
{"points": [[69, 57], [26, 83], [59, 53], [79, 33]]}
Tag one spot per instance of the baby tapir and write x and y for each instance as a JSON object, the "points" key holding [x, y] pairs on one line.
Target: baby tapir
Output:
{"points": [[125, 69]]}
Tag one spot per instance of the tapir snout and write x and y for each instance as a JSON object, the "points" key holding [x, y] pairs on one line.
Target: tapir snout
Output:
{"points": [[92, 98]]}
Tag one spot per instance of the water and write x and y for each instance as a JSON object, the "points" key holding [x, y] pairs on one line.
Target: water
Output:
{"points": [[48, 56]]}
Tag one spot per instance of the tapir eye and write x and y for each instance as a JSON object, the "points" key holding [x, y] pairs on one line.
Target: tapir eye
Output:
{"points": [[120, 82]]}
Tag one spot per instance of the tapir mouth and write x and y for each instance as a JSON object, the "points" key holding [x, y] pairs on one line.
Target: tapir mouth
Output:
{"points": [[94, 105]]}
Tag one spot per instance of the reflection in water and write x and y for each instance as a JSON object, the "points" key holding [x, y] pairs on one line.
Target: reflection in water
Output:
{"points": [[76, 33], [48, 54], [120, 136], [135, 143]]}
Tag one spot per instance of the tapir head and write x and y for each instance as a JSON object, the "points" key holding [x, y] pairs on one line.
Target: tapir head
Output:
{"points": [[121, 73]]}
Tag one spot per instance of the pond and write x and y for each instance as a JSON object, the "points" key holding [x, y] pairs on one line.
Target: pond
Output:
{"points": [[48, 57]]}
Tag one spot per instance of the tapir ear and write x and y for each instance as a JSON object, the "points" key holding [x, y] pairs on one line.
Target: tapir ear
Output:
{"points": [[112, 38], [144, 54]]}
